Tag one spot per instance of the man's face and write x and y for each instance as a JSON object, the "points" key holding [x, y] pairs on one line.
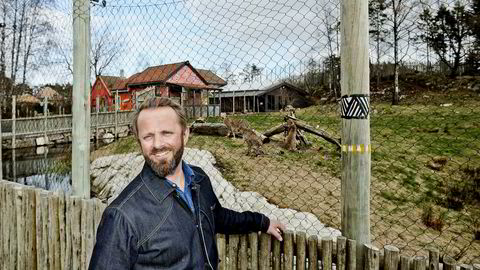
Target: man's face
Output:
{"points": [[161, 139]]}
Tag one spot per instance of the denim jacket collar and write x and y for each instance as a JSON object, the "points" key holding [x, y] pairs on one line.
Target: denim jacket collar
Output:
{"points": [[158, 186]]}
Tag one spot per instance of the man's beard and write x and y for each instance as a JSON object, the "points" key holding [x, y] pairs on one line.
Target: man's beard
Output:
{"points": [[164, 167]]}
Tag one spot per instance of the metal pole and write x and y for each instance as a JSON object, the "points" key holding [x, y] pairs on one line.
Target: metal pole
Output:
{"points": [[356, 147], [81, 99]]}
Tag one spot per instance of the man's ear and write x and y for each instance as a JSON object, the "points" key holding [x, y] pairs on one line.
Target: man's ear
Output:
{"points": [[186, 134]]}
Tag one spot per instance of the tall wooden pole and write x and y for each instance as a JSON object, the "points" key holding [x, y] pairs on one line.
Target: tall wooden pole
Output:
{"points": [[1, 142], [356, 148], [81, 99]]}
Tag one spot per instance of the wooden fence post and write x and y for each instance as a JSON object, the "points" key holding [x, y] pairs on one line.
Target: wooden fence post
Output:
{"points": [[222, 256], [81, 99], [288, 250], [301, 242], [97, 110], [392, 257], [419, 263], [327, 249], [264, 254], [433, 259], [253, 239], [233, 103], [233, 241], [313, 253], [45, 118], [242, 253], [276, 254], [14, 116], [356, 148], [1, 144], [405, 262], [449, 263], [372, 257], [352, 255]]}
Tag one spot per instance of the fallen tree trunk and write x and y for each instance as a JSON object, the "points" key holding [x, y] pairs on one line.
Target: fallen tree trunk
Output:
{"points": [[312, 130], [219, 129], [275, 130], [215, 129]]}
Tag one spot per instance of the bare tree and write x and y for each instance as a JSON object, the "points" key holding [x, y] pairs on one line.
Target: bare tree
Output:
{"points": [[401, 25], [105, 51]]}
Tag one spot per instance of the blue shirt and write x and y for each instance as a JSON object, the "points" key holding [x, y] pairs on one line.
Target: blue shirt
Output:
{"points": [[186, 194]]}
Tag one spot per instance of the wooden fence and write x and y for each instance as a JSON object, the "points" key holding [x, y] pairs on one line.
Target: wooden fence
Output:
{"points": [[46, 230]]}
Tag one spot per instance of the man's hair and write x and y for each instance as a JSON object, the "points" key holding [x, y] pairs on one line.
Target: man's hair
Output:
{"points": [[160, 102]]}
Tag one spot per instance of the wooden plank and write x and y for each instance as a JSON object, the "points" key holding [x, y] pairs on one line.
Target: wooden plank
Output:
{"points": [[222, 254], [288, 250], [253, 243], [341, 253], [233, 241], [327, 248], [301, 251], [405, 262], [30, 229], [87, 227], [276, 254], [242, 254], [75, 221], [61, 228], [372, 257], [68, 233], [12, 248], [45, 264], [265, 247], [53, 236], [419, 263], [312, 252], [20, 226], [392, 257], [38, 230], [449, 263], [433, 259]]}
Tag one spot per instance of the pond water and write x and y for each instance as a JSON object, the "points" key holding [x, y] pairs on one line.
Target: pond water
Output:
{"points": [[48, 168]]}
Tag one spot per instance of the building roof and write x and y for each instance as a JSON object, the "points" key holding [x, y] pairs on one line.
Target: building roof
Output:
{"points": [[211, 78], [27, 98], [262, 91], [156, 74], [50, 94]]}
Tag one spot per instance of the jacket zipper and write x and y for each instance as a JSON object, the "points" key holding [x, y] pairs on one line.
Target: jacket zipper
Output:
{"points": [[202, 240]]}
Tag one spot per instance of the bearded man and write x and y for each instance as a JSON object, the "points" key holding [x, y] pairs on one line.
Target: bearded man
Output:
{"points": [[167, 217]]}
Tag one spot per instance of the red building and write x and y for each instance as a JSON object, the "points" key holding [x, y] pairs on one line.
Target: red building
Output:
{"points": [[179, 81]]}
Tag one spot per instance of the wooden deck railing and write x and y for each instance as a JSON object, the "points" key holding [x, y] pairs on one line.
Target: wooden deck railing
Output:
{"points": [[46, 230]]}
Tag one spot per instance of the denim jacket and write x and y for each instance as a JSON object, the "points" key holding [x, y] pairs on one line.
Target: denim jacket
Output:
{"points": [[148, 226]]}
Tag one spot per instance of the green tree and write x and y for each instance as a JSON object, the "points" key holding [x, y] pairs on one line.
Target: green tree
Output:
{"points": [[447, 33]]}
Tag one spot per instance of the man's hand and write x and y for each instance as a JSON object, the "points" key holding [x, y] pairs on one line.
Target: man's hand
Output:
{"points": [[276, 228]]}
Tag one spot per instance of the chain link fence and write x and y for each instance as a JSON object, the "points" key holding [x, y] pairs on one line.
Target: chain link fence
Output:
{"points": [[254, 61]]}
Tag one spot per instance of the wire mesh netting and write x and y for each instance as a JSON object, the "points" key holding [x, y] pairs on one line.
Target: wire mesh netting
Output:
{"points": [[259, 62]]}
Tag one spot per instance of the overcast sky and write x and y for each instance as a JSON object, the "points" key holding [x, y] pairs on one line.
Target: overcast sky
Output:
{"points": [[278, 36]]}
